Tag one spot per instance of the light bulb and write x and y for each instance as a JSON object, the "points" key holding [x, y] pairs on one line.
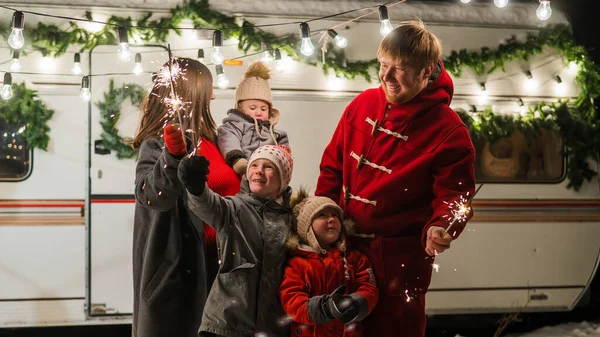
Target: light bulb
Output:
{"points": [[267, 58], [278, 61], [16, 40], [138, 69], [76, 64], [222, 81], [123, 52], [384, 17], [201, 55], [341, 41], [6, 92], [216, 56], [85, 94], [48, 64], [544, 11], [15, 66], [76, 68], [500, 3], [465, 1], [307, 47], [386, 27], [279, 66]]}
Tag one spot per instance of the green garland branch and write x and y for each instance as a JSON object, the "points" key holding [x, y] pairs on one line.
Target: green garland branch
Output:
{"points": [[575, 121], [110, 112], [25, 108]]}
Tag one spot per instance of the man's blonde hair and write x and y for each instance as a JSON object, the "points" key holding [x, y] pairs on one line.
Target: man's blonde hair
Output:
{"points": [[411, 43]]}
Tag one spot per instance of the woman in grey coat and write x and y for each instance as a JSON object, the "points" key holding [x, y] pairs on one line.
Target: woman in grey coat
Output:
{"points": [[252, 229], [170, 277]]}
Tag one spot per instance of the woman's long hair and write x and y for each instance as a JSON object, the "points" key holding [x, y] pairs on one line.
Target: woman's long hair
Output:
{"points": [[193, 85]]}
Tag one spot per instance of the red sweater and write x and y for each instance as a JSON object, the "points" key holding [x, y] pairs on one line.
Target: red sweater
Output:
{"points": [[221, 179], [393, 167]]}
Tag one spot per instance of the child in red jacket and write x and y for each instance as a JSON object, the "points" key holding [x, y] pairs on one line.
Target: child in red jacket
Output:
{"points": [[327, 287]]}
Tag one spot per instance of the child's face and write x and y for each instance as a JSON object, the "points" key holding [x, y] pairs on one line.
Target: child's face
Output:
{"points": [[255, 108], [263, 178], [327, 227]]}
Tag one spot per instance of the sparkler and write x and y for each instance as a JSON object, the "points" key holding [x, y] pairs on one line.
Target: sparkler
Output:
{"points": [[460, 209], [174, 101]]}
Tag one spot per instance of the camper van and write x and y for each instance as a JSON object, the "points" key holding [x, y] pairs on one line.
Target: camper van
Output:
{"points": [[66, 214]]}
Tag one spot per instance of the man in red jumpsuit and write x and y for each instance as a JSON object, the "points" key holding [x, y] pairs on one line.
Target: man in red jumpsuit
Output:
{"points": [[398, 156]]}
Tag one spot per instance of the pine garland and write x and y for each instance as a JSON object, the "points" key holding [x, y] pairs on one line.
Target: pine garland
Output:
{"points": [[25, 108], [576, 121], [110, 112]]}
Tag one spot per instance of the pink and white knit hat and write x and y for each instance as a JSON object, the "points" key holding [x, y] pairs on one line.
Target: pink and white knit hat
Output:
{"points": [[281, 156]]}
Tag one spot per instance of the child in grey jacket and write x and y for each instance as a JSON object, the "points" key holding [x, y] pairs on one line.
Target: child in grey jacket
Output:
{"points": [[251, 123], [252, 229]]}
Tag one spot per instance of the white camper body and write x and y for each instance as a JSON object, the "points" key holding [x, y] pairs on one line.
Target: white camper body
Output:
{"points": [[66, 226]]}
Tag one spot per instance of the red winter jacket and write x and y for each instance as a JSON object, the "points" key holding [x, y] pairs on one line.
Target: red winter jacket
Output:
{"points": [[392, 168], [309, 274]]}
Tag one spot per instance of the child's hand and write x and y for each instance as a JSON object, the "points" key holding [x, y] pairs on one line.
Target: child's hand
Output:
{"points": [[240, 166], [192, 173], [174, 140]]}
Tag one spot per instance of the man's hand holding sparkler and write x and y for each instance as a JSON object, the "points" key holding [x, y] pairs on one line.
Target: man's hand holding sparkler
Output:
{"points": [[438, 240]]}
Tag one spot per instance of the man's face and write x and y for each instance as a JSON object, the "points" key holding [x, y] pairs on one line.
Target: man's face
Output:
{"points": [[400, 82]]}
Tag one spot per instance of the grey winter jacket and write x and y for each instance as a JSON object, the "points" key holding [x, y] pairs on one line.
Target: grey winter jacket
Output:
{"points": [[169, 272], [237, 136], [251, 234]]}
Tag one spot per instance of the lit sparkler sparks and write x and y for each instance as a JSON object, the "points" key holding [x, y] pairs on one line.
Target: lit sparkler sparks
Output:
{"points": [[460, 209]]}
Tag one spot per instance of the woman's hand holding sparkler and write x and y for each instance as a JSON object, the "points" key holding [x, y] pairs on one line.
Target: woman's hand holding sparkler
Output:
{"points": [[174, 140]]}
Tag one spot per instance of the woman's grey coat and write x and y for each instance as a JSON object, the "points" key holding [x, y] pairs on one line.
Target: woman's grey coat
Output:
{"points": [[169, 272]]}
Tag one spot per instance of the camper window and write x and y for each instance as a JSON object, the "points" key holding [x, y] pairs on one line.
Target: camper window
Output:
{"points": [[514, 159], [15, 156]]}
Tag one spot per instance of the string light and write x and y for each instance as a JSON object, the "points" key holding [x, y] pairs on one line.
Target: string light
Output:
{"points": [[6, 92], [201, 55], [530, 82], [384, 17], [340, 41], [85, 93], [278, 61], [483, 94], [500, 3], [465, 1], [521, 107], [48, 63], [76, 70], [222, 80], [216, 56], [560, 87], [544, 11], [573, 66], [123, 51], [306, 47], [16, 39], [16, 63], [266, 58], [137, 69]]}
